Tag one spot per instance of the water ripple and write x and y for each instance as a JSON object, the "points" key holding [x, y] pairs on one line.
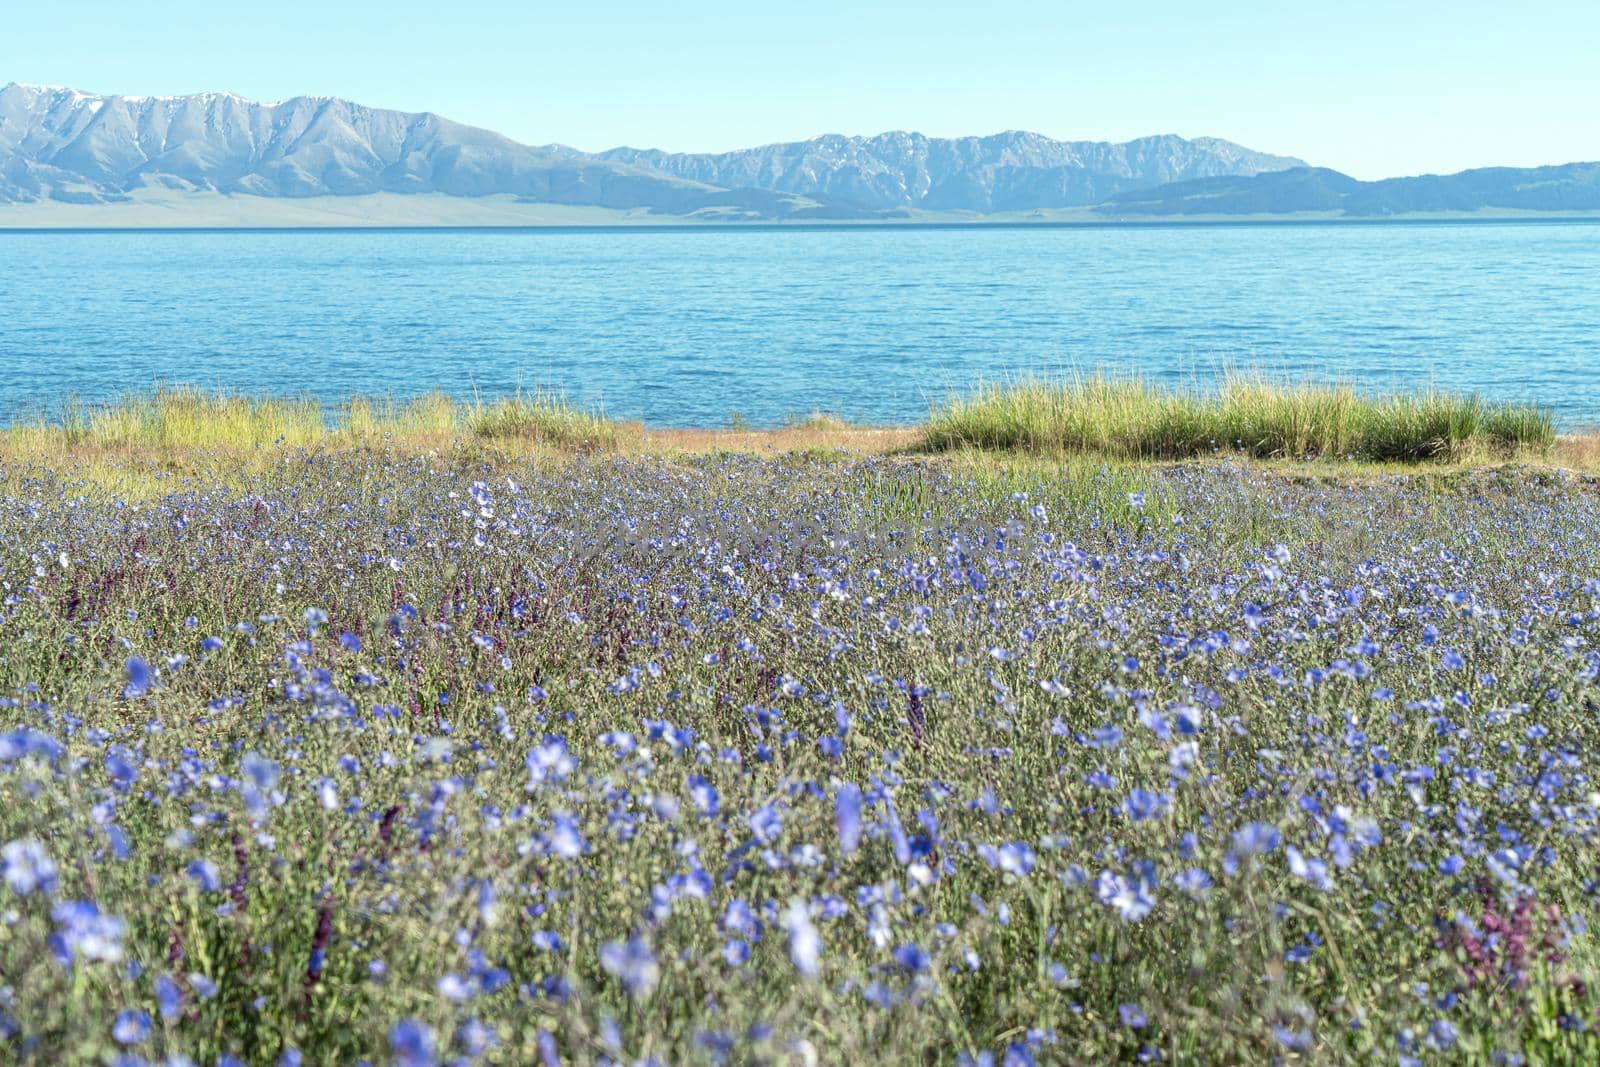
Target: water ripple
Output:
{"points": [[684, 328]]}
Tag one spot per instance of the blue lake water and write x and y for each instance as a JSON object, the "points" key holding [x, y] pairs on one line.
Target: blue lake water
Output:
{"points": [[685, 327]]}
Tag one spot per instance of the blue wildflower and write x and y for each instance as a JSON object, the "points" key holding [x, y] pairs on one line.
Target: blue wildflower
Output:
{"points": [[911, 957], [140, 678], [262, 772], [412, 1043], [205, 875], [28, 868], [1131, 897], [847, 816], [1144, 804], [632, 963], [84, 933], [131, 1027], [549, 762], [169, 997], [805, 944]]}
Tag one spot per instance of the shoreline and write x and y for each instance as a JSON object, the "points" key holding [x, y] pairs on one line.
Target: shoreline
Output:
{"points": [[830, 226], [1577, 452], [164, 212], [1124, 420]]}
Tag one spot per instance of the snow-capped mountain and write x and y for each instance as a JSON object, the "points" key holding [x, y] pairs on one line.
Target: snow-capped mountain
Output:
{"points": [[75, 147], [1013, 171]]}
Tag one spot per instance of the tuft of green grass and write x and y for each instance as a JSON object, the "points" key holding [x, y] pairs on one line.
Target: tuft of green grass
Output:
{"points": [[184, 418], [544, 418], [430, 417], [1132, 418], [190, 421]]}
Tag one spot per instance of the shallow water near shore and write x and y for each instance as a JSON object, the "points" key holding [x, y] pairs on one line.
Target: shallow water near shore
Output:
{"points": [[688, 327]]}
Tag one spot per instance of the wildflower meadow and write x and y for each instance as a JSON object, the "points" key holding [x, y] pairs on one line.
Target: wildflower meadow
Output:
{"points": [[362, 756]]}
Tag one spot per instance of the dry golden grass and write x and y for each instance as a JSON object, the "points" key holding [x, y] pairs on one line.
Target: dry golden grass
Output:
{"points": [[1577, 451], [184, 420], [802, 437]]}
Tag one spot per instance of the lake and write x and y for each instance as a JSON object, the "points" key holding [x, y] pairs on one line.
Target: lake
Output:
{"points": [[686, 327]]}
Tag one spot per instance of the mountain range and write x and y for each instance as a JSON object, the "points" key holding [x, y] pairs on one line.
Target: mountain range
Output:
{"points": [[65, 145], [76, 147], [61, 148], [1013, 171]]}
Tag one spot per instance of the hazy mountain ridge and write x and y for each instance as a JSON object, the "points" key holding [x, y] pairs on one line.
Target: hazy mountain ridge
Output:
{"points": [[1012, 171], [1563, 187], [75, 147], [70, 146]]}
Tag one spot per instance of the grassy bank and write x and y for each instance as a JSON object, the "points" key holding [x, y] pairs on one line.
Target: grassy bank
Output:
{"points": [[1104, 418], [1137, 419]]}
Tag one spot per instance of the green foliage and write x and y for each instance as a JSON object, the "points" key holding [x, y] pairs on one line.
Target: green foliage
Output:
{"points": [[544, 418], [1132, 418]]}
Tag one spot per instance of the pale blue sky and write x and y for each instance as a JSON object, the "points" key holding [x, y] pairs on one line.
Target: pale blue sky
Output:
{"points": [[1374, 89]]}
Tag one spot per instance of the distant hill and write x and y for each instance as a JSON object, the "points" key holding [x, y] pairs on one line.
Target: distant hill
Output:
{"points": [[73, 147], [1014, 171], [1567, 187]]}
